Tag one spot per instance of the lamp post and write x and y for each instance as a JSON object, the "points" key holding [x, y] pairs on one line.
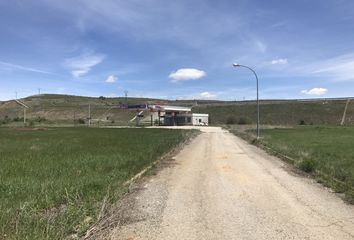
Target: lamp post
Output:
{"points": [[239, 65]]}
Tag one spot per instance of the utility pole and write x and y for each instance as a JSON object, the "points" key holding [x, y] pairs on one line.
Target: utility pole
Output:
{"points": [[74, 118], [39, 91], [24, 116], [16, 95], [89, 117], [126, 97]]}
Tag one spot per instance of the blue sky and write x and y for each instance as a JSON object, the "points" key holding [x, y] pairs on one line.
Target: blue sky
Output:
{"points": [[177, 49]]}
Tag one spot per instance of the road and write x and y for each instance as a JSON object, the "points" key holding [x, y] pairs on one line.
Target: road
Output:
{"points": [[220, 187]]}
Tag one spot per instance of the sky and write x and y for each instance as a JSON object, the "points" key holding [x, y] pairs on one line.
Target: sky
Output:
{"points": [[177, 49]]}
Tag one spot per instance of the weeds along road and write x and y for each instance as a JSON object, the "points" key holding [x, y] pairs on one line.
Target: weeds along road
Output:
{"points": [[220, 187]]}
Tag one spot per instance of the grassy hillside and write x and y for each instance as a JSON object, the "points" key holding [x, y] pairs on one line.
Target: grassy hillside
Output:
{"points": [[64, 109], [317, 112]]}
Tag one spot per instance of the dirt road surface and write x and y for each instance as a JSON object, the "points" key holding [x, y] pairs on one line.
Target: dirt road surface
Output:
{"points": [[220, 187]]}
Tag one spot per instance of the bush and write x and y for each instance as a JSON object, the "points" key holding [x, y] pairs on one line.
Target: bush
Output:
{"points": [[40, 119], [302, 122], [307, 165], [230, 120], [31, 123], [6, 120], [81, 121], [16, 119], [243, 121], [102, 98]]}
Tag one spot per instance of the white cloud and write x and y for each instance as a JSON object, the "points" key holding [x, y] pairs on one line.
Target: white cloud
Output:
{"points": [[82, 64], [280, 61], [207, 95], [315, 91], [185, 74], [111, 79]]}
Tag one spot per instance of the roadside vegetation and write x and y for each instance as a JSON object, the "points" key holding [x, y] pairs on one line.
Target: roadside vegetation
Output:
{"points": [[327, 152], [54, 182]]}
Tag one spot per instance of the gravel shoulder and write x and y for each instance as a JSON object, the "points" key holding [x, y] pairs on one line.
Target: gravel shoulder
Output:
{"points": [[220, 187]]}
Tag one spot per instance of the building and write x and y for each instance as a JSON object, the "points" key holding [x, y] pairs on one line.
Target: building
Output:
{"points": [[196, 119], [169, 115]]}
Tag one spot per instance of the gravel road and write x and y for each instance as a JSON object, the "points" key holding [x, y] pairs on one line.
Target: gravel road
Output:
{"points": [[220, 187]]}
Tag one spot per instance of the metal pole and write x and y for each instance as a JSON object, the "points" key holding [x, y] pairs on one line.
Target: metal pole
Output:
{"points": [[89, 120], [24, 116], [255, 74]]}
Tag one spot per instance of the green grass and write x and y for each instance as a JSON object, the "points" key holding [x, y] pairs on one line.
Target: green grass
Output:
{"points": [[327, 152], [289, 113], [53, 182]]}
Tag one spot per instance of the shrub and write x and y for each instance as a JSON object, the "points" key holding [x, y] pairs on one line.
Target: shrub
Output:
{"points": [[302, 122], [6, 120], [307, 165], [81, 121], [243, 121], [16, 119], [230, 120], [102, 98], [40, 119], [31, 123]]}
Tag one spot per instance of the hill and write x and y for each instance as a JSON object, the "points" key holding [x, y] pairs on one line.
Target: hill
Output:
{"points": [[281, 112], [65, 109]]}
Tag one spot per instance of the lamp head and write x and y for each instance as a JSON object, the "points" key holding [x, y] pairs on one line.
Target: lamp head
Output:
{"points": [[236, 65]]}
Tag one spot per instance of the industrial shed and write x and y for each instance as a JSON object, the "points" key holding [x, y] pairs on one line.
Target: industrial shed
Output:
{"points": [[169, 115]]}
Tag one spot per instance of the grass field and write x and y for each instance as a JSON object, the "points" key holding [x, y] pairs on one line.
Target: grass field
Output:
{"points": [[289, 113], [53, 181], [327, 152]]}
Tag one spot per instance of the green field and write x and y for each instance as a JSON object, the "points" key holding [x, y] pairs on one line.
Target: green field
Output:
{"points": [[53, 181], [327, 152], [286, 112]]}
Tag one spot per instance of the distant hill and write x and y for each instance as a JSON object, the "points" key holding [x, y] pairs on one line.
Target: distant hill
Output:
{"points": [[281, 112], [64, 109]]}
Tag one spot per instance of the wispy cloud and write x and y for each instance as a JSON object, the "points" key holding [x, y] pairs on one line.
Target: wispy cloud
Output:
{"points": [[279, 61], [23, 68], [186, 74], [315, 91], [261, 46], [82, 64], [340, 68]]}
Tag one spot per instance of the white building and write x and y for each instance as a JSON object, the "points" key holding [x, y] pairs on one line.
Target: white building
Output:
{"points": [[169, 115], [200, 119]]}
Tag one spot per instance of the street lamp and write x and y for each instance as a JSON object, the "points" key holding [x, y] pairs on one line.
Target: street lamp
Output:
{"points": [[239, 65]]}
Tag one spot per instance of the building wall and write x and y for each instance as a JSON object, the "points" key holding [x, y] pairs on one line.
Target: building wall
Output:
{"points": [[200, 119], [196, 119]]}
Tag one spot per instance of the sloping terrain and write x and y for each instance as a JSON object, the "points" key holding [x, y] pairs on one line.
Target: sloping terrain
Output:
{"points": [[66, 109], [316, 112]]}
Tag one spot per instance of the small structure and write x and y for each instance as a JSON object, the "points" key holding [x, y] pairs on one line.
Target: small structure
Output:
{"points": [[169, 115], [195, 119]]}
